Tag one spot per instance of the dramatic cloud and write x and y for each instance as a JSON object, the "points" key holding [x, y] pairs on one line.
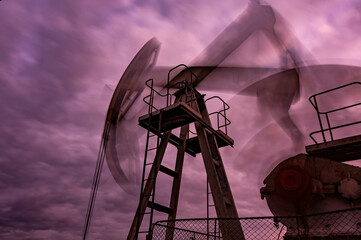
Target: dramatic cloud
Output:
{"points": [[61, 60]]}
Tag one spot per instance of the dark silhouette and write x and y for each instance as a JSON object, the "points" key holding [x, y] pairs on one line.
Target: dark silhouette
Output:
{"points": [[276, 92]]}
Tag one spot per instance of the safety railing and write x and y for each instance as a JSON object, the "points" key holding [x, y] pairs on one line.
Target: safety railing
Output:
{"points": [[340, 225], [184, 80], [328, 128], [149, 99], [221, 115]]}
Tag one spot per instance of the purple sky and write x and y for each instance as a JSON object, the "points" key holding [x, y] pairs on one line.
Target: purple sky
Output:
{"points": [[61, 60]]}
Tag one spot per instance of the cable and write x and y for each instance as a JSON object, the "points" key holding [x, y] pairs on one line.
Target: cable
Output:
{"points": [[96, 178]]}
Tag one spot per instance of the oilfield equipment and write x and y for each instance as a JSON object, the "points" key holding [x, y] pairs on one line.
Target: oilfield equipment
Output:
{"points": [[188, 106], [311, 196], [320, 181]]}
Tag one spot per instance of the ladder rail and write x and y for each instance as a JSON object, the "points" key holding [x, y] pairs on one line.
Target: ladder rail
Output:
{"points": [[221, 192], [156, 163], [220, 188], [145, 164], [148, 191], [173, 204], [146, 194]]}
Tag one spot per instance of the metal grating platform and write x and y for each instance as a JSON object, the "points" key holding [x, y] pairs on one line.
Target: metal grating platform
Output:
{"points": [[341, 150], [222, 141], [177, 115]]}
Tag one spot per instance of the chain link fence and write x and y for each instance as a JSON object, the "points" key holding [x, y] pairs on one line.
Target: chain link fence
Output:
{"points": [[337, 225]]}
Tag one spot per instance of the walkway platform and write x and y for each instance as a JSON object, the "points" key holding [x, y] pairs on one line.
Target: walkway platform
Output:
{"points": [[177, 115], [341, 150]]}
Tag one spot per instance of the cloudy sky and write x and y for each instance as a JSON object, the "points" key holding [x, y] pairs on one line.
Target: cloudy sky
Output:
{"points": [[60, 62]]}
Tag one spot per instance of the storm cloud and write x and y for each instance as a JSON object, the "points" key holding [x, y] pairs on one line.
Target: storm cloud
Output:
{"points": [[60, 61]]}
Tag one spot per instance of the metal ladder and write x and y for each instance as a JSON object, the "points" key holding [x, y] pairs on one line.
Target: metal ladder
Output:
{"points": [[210, 205], [148, 149], [148, 190], [220, 188]]}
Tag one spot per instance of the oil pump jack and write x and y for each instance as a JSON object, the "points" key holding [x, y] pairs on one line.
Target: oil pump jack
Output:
{"points": [[299, 185], [189, 106]]}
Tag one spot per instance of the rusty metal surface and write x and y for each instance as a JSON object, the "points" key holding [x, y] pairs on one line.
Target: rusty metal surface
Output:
{"points": [[341, 150], [304, 184]]}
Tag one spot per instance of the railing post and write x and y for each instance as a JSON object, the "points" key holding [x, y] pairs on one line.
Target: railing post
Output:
{"points": [[313, 101], [319, 119], [329, 126]]}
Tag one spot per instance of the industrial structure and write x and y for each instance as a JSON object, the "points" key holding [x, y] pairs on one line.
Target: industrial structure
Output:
{"points": [[320, 181], [312, 196], [188, 106], [307, 188]]}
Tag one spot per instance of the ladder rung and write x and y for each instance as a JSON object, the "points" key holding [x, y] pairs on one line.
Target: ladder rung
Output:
{"points": [[159, 207], [168, 171], [151, 149], [147, 164]]}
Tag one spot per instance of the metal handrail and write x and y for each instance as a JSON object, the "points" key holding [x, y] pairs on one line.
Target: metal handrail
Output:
{"points": [[330, 129], [192, 74], [149, 99], [313, 102], [221, 113], [150, 103], [222, 120]]}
